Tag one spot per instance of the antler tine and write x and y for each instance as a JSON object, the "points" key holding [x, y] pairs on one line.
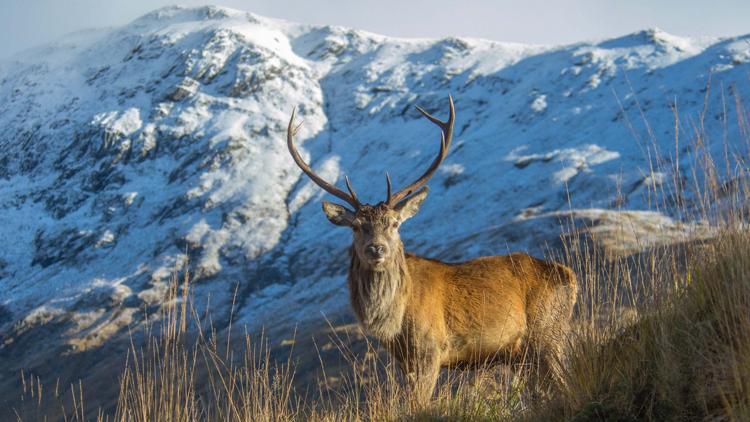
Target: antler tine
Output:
{"points": [[333, 190], [446, 127], [446, 135], [351, 191], [388, 183]]}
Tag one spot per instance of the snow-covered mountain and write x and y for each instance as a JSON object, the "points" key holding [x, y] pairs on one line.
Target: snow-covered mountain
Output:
{"points": [[125, 151]]}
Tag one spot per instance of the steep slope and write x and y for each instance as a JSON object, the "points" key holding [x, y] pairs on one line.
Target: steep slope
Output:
{"points": [[131, 153]]}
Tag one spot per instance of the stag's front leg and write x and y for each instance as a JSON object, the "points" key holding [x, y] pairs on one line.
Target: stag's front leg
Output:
{"points": [[422, 372]]}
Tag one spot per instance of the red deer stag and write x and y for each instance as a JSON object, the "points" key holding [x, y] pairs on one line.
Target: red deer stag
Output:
{"points": [[431, 314]]}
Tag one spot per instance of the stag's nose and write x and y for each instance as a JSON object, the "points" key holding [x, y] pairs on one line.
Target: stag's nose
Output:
{"points": [[376, 250]]}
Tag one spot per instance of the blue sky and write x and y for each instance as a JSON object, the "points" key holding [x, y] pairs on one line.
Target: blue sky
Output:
{"points": [[25, 23]]}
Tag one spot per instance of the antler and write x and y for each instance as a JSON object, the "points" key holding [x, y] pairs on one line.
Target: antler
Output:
{"points": [[446, 136], [351, 198]]}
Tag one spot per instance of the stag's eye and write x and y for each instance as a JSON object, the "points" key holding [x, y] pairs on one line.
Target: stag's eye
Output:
{"points": [[394, 225]]}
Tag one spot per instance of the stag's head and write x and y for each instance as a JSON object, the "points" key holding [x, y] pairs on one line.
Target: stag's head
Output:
{"points": [[375, 227]]}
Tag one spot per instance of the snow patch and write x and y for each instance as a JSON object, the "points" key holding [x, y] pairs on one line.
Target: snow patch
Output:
{"points": [[123, 123], [539, 104]]}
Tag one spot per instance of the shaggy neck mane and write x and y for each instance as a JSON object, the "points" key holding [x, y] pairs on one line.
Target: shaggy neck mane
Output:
{"points": [[379, 297]]}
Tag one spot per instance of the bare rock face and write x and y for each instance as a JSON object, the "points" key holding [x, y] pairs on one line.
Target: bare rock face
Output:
{"points": [[132, 154]]}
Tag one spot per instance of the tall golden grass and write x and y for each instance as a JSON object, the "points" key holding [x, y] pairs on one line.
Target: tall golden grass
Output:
{"points": [[663, 334]]}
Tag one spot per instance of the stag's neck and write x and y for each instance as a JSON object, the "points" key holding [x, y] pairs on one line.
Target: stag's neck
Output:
{"points": [[379, 296]]}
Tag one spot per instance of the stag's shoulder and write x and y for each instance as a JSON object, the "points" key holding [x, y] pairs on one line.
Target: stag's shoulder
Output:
{"points": [[416, 262]]}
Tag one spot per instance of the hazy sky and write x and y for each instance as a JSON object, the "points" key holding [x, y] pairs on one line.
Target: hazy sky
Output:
{"points": [[25, 23]]}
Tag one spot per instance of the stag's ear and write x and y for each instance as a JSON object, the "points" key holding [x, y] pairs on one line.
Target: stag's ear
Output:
{"points": [[409, 206], [337, 214]]}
